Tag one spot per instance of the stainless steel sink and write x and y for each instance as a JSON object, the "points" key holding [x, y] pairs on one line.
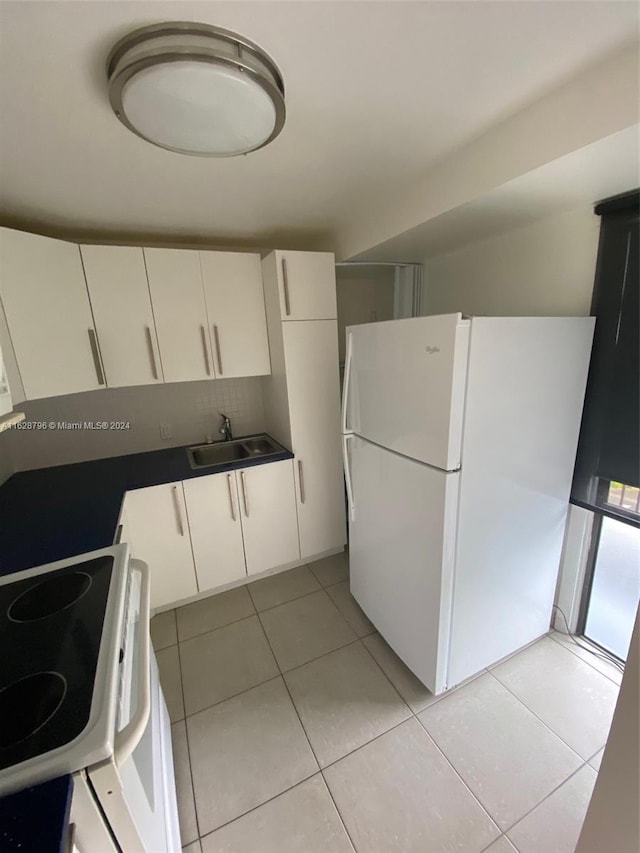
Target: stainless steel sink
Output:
{"points": [[223, 452], [260, 445]]}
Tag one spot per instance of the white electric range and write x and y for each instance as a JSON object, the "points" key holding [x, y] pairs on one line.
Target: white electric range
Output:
{"points": [[80, 694]]}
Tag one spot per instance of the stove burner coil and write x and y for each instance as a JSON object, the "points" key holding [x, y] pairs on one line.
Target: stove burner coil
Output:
{"points": [[29, 703], [49, 597]]}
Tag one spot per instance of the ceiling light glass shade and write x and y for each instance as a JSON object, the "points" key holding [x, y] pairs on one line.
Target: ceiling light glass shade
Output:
{"points": [[196, 89]]}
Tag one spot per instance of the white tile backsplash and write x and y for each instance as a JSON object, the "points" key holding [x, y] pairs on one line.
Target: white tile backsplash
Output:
{"points": [[191, 408]]}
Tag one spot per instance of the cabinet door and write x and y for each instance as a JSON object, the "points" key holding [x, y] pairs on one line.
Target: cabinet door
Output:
{"points": [[157, 520], [175, 283], [119, 294], [311, 357], [268, 510], [306, 285], [235, 309], [45, 300], [216, 534]]}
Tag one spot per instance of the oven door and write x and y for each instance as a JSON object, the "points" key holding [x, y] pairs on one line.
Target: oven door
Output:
{"points": [[136, 788]]}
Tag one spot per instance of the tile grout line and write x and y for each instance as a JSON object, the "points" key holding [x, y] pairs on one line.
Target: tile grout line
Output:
{"points": [[584, 762], [286, 686], [186, 736], [255, 612], [436, 699], [289, 600], [174, 610], [338, 812], [306, 734], [448, 762], [487, 849], [220, 627], [546, 725], [546, 797], [402, 699], [259, 806], [266, 680], [587, 660]]}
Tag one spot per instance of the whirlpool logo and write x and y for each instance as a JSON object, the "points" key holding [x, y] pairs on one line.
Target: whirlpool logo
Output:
{"points": [[431, 350]]}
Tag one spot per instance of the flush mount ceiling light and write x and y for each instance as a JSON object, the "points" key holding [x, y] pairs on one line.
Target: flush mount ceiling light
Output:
{"points": [[196, 89]]}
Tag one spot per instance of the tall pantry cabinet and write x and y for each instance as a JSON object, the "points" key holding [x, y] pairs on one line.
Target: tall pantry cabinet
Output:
{"points": [[302, 395]]}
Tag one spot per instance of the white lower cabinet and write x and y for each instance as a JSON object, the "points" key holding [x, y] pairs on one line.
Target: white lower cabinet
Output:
{"points": [[157, 519], [269, 520], [213, 530], [216, 531]]}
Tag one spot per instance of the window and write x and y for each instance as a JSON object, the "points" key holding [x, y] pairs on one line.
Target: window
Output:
{"points": [[613, 587], [623, 497], [607, 473]]}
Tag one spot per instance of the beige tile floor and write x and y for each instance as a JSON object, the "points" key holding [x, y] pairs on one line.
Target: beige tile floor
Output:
{"points": [[296, 729]]}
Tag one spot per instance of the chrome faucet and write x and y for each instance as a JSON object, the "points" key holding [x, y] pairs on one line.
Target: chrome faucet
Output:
{"points": [[225, 429]]}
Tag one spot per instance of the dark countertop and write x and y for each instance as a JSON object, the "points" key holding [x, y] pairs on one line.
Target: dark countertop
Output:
{"points": [[37, 819], [53, 513]]}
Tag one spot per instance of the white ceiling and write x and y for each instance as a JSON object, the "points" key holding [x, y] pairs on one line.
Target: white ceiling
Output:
{"points": [[376, 92], [598, 171]]}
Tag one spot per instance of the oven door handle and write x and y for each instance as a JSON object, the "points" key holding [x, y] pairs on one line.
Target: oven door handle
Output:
{"points": [[129, 737]]}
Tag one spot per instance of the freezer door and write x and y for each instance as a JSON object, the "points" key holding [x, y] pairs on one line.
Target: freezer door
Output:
{"points": [[401, 553], [405, 386]]}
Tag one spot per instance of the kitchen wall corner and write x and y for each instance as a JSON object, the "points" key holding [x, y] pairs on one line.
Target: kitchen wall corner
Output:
{"points": [[542, 269]]}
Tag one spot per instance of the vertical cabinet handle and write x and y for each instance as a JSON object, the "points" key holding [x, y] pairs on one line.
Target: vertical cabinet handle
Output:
{"points": [[152, 355], [285, 287], [230, 485], [301, 480], [216, 338], [176, 504], [245, 500], [205, 349], [93, 341]]}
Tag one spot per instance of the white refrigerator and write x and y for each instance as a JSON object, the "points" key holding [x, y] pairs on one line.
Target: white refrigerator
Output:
{"points": [[459, 439]]}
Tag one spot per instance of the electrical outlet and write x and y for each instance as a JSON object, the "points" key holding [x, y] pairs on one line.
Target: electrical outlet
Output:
{"points": [[165, 430]]}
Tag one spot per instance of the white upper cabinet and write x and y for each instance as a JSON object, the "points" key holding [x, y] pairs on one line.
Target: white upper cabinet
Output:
{"points": [[268, 510], [216, 532], [235, 309], [45, 300], [119, 293], [306, 285], [311, 358], [175, 283]]}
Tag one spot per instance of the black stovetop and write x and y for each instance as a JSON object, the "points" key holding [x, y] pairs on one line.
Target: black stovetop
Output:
{"points": [[50, 632]]}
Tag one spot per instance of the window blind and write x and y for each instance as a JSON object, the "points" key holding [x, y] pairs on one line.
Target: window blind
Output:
{"points": [[609, 443]]}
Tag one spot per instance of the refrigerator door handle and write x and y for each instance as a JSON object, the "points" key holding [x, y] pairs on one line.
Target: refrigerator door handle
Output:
{"points": [[347, 476], [345, 383]]}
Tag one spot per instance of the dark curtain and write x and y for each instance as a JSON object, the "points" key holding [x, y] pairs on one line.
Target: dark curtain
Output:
{"points": [[609, 444]]}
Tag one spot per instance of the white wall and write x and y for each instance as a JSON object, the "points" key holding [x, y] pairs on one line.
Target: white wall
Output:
{"points": [[543, 269], [593, 105], [192, 409], [363, 298]]}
